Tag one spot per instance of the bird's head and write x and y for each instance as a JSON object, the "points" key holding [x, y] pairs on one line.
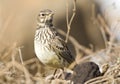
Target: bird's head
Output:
{"points": [[45, 16]]}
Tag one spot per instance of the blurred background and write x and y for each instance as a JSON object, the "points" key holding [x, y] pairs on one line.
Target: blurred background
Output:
{"points": [[18, 23]]}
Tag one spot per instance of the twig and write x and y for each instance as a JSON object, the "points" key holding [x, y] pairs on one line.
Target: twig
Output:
{"points": [[104, 36], [93, 14], [71, 19], [20, 54], [98, 80], [27, 75], [111, 42], [14, 52], [103, 23], [9, 51], [32, 60], [99, 21], [67, 16]]}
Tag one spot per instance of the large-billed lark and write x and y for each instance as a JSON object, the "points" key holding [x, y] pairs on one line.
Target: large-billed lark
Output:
{"points": [[49, 47]]}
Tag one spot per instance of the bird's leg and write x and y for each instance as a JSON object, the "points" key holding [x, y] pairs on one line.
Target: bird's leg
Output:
{"points": [[55, 72], [51, 77], [60, 73], [55, 75]]}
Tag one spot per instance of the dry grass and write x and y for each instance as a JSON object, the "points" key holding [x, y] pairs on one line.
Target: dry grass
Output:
{"points": [[15, 70]]}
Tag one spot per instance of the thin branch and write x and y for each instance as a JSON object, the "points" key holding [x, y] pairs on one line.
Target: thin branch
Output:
{"points": [[32, 60], [20, 54], [104, 36], [67, 15], [98, 21], [9, 51], [74, 12], [103, 23], [111, 42], [71, 19], [106, 30], [27, 75]]}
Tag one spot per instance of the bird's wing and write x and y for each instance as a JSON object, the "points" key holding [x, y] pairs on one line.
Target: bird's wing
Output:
{"points": [[60, 48]]}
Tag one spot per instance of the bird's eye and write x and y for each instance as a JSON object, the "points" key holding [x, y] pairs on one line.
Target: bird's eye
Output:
{"points": [[43, 14]]}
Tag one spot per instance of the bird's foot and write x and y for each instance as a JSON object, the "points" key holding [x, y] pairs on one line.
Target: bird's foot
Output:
{"points": [[49, 78], [58, 75]]}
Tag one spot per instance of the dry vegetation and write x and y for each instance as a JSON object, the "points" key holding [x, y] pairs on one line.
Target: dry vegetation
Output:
{"points": [[15, 70]]}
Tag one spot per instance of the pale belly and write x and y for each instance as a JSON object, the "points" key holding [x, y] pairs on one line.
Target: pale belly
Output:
{"points": [[47, 57]]}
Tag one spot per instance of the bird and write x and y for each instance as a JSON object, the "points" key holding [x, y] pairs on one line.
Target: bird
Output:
{"points": [[49, 47]]}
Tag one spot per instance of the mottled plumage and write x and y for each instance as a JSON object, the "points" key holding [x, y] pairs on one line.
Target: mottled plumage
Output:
{"points": [[49, 47]]}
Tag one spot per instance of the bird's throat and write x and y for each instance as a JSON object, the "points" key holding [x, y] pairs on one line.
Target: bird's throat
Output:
{"points": [[44, 25]]}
